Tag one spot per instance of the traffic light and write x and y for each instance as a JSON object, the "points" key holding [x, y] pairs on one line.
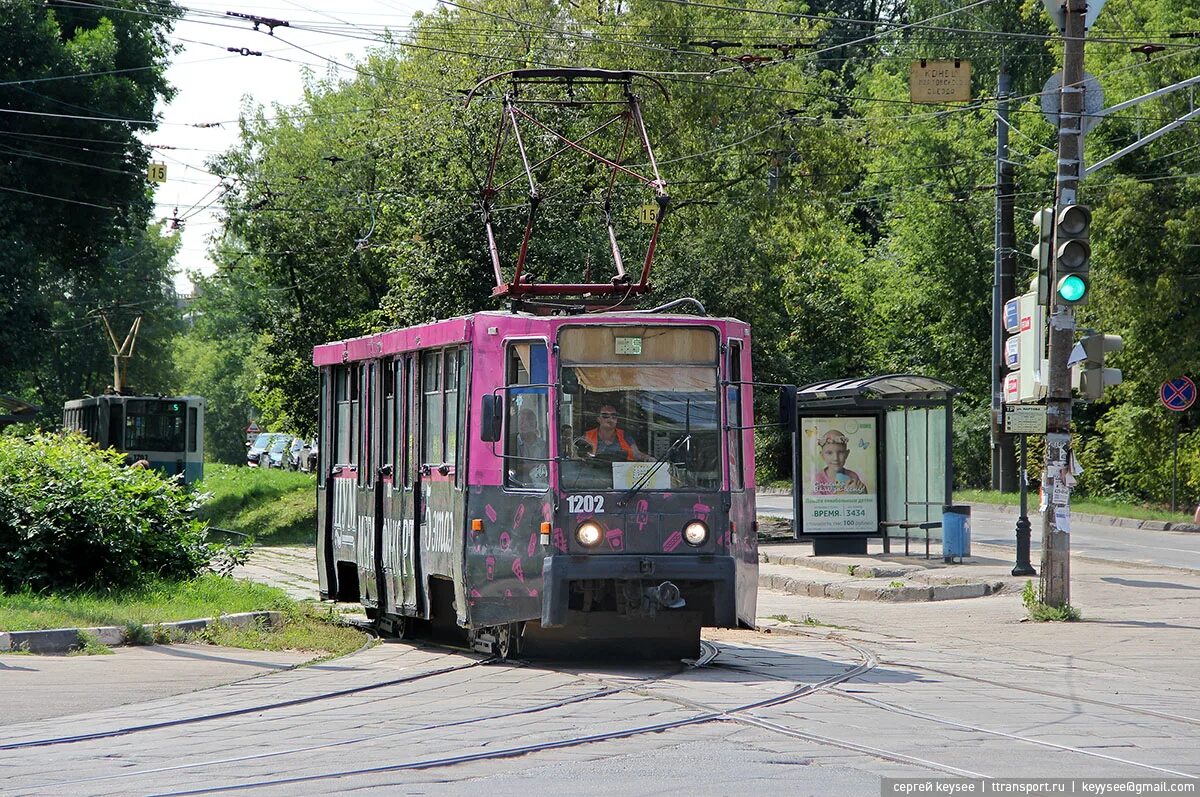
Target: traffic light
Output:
{"points": [[1043, 222], [1072, 254], [1088, 374]]}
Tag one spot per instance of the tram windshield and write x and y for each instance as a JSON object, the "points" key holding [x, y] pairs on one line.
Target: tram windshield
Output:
{"points": [[154, 425], [636, 396]]}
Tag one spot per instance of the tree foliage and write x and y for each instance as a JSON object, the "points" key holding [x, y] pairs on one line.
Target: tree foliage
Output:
{"points": [[77, 83], [75, 517], [851, 227]]}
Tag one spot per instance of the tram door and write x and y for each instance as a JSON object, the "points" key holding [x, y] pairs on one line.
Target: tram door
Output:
{"points": [[440, 511], [400, 568]]}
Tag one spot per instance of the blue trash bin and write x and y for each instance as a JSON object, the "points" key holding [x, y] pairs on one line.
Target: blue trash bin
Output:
{"points": [[956, 532]]}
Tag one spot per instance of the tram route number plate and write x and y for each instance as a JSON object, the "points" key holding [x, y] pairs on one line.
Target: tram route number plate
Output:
{"points": [[1024, 419], [629, 345]]}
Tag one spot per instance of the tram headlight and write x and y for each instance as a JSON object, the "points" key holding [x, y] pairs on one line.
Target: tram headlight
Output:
{"points": [[695, 533], [589, 533]]}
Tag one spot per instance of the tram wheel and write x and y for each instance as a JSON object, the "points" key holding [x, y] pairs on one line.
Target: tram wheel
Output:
{"points": [[503, 644], [499, 641], [394, 626]]}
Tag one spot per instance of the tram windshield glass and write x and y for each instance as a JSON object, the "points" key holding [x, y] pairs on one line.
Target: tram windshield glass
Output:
{"points": [[639, 404], [154, 425]]}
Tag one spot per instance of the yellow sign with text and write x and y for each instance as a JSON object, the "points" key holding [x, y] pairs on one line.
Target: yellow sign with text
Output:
{"points": [[940, 81], [157, 172]]}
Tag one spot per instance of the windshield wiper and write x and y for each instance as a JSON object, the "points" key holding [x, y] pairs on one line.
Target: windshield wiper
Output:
{"points": [[658, 463]]}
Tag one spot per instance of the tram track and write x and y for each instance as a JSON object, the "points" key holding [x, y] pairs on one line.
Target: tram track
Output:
{"points": [[1149, 712], [744, 714], [709, 652], [237, 712], [909, 712], [950, 722]]}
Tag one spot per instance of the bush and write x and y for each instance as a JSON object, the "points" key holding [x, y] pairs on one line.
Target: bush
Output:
{"points": [[75, 517]]}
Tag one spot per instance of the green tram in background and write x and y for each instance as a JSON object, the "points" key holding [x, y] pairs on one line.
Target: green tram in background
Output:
{"points": [[166, 431]]}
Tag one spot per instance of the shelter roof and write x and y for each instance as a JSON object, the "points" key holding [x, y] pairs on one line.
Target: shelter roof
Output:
{"points": [[14, 410], [897, 388]]}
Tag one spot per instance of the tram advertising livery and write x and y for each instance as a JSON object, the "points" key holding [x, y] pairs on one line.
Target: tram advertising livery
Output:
{"points": [[541, 479], [165, 431]]}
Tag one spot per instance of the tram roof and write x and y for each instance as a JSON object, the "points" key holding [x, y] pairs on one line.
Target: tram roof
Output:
{"points": [[458, 330], [86, 400]]}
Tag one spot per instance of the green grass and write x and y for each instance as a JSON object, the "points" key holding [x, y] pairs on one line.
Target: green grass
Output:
{"points": [[273, 507], [1041, 612], [305, 626], [206, 596], [1089, 506], [89, 645]]}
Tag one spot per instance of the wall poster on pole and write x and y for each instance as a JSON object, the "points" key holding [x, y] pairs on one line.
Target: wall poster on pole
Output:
{"points": [[838, 461]]}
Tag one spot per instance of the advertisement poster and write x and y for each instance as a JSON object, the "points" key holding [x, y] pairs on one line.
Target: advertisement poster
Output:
{"points": [[838, 460]]}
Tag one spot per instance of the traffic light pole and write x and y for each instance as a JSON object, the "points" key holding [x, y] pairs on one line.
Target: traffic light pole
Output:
{"points": [[1056, 509]]}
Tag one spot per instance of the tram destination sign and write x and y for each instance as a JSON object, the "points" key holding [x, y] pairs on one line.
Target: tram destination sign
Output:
{"points": [[1024, 419]]}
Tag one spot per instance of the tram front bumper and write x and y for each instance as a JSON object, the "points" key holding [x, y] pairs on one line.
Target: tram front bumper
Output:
{"points": [[559, 571]]}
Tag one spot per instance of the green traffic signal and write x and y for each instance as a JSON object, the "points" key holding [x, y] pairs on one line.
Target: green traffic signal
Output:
{"points": [[1072, 288]]}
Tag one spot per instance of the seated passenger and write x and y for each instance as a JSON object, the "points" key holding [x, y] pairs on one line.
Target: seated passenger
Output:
{"points": [[609, 442]]}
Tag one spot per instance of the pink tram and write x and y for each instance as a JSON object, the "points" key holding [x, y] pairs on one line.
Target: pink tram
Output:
{"points": [[531, 478]]}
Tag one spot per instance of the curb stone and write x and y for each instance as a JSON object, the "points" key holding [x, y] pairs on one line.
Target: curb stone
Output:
{"points": [[863, 591], [64, 640], [861, 571], [1104, 520]]}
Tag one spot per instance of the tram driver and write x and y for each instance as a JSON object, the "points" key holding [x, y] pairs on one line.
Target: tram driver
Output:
{"points": [[609, 442]]}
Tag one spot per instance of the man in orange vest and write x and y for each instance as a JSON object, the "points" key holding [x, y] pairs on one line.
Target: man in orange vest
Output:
{"points": [[611, 443]]}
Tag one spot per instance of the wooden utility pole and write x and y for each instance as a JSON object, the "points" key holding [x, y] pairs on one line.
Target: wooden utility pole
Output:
{"points": [[1056, 512]]}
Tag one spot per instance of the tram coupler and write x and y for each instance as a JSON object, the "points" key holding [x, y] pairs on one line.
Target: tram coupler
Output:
{"points": [[666, 596]]}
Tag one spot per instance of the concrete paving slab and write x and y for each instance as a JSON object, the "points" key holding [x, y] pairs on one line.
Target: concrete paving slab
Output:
{"points": [[45, 687]]}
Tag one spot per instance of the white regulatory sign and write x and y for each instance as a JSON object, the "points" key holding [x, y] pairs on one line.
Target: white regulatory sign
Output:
{"points": [[1024, 419]]}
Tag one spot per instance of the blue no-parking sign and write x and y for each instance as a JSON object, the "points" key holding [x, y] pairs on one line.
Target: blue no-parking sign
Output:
{"points": [[1178, 394]]}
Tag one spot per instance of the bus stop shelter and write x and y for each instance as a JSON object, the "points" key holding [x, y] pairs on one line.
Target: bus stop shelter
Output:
{"points": [[871, 457], [14, 410]]}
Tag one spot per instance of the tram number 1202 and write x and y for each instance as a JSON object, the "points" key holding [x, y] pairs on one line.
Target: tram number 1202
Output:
{"points": [[584, 504]]}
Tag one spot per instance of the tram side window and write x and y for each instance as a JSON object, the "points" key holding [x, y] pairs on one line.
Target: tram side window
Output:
{"points": [[387, 423], [409, 429], [431, 408], [343, 431], [322, 425], [733, 401], [450, 404], [193, 419], [461, 441], [365, 411], [526, 441]]}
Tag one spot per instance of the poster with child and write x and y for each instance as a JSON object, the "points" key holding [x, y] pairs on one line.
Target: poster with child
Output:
{"points": [[838, 461]]}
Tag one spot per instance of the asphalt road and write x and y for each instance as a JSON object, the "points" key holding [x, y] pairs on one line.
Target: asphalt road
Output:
{"points": [[1096, 540]]}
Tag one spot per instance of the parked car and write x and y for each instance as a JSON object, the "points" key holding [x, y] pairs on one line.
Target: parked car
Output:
{"points": [[295, 457], [255, 450], [278, 452]]}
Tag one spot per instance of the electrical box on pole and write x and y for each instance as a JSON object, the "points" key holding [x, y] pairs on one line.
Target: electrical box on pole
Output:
{"points": [[1024, 351], [1088, 374]]}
